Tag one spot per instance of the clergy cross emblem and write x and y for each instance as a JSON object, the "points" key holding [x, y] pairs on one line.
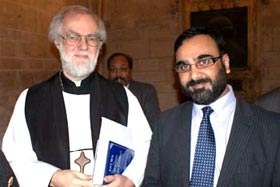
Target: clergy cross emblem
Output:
{"points": [[10, 181], [82, 161]]}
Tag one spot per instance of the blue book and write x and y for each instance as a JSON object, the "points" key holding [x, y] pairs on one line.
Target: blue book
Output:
{"points": [[118, 158]]}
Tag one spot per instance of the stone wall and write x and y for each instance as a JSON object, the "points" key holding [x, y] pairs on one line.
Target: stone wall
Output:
{"points": [[145, 29], [270, 67]]}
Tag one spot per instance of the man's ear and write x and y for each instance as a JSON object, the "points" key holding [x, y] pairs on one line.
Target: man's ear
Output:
{"points": [[56, 43], [226, 62]]}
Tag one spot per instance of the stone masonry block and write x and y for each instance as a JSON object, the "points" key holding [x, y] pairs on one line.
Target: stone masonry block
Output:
{"points": [[162, 47], [136, 48], [8, 81], [276, 43], [267, 39], [148, 76], [8, 48], [142, 65], [272, 73], [167, 100], [10, 63], [271, 59]]}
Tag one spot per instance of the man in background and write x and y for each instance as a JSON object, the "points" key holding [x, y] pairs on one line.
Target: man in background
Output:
{"points": [[120, 67]]}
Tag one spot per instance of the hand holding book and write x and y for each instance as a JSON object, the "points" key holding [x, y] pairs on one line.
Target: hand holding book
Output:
{"points": [[114, 152]]}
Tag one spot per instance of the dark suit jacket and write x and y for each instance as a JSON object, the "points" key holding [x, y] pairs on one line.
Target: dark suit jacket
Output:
{"points": [[252, 157], [147, 97], [270, 100], [6, 173]]}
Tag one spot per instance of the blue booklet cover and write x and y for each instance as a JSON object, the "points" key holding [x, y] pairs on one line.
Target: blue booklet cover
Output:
{"points": [[118, 158]]}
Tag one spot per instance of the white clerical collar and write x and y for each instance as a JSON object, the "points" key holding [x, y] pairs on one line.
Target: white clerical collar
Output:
{"points": [[77, 83]]}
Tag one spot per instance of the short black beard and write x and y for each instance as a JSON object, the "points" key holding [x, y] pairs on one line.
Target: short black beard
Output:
{"points": [[206, 96]]}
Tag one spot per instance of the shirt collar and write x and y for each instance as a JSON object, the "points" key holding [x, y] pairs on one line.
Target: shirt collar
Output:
{"points": [[82, 87], [221, 105]]}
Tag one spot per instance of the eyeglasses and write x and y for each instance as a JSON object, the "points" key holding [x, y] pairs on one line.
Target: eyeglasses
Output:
{"points": [[74, 39], [200, 63]]}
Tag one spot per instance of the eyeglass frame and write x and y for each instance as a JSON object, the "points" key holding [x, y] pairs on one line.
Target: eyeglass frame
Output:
{"points": [[213, 60], [98, 40]]}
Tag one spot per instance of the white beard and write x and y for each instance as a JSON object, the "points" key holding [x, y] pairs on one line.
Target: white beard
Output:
{"points": [[74, 70]]}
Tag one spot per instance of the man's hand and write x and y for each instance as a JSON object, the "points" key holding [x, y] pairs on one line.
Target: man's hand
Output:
{"points": [[69, 178], [118, 181]]}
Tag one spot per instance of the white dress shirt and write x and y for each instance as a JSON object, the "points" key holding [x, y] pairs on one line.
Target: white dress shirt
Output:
{"points": [[221, 121]]}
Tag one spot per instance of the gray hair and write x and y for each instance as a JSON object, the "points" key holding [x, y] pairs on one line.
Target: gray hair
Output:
{"points": [[56, 23]]}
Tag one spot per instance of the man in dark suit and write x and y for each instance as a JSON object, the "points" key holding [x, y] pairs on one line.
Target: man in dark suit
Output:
{"points": [[244, 143], [120, 70], [7, 176], [270, 100]]}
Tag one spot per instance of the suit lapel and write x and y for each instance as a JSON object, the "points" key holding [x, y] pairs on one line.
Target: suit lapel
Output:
{"points": [[241, 131], [183, 142]]}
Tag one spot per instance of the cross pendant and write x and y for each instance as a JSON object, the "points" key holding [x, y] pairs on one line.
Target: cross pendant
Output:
{"points": [[82, 161]]}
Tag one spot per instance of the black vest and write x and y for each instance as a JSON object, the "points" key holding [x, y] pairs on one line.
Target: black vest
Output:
{"points": [[7, 175], [46, 116]]}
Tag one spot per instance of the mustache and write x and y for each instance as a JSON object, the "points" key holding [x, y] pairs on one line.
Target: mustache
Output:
{"points": [[199, 81], [119, 78], [82, 53]]}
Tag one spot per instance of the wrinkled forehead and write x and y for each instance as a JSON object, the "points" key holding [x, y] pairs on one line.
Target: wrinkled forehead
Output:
{"points": [[81, 23]]}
